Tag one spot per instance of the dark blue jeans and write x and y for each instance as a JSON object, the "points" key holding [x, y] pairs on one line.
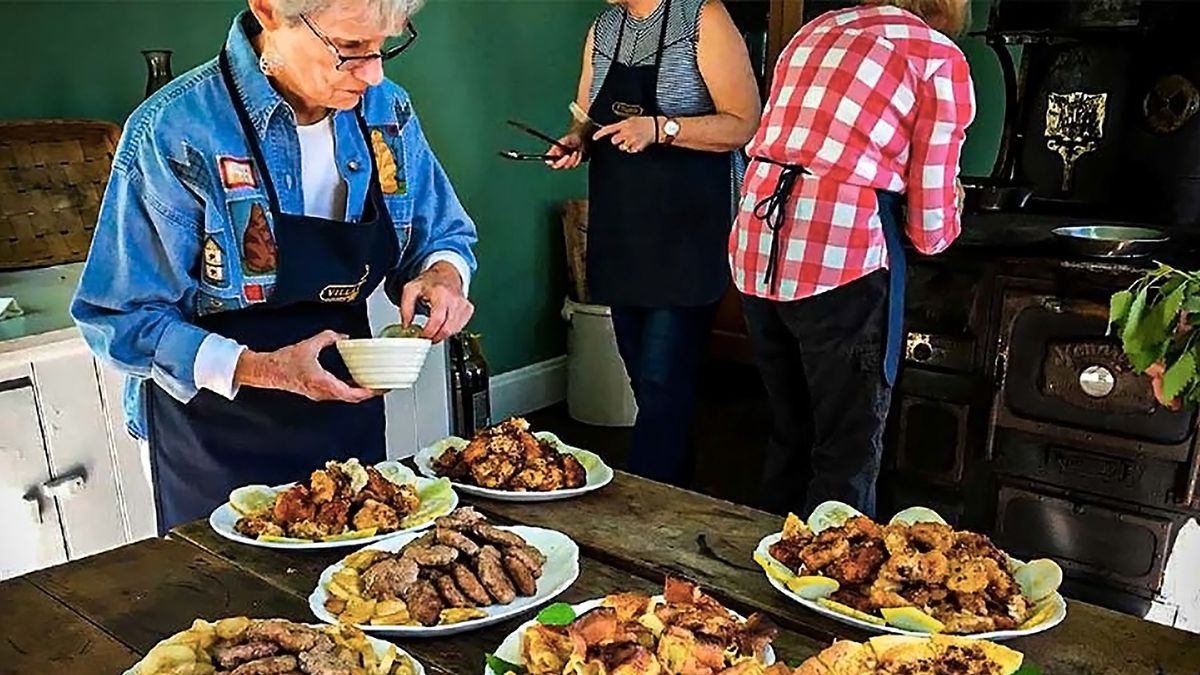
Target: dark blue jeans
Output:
{"points": [[662, 349]]}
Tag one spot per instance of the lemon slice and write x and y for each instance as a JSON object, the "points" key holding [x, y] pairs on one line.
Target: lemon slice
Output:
{"points": [[916, 514], [397, 331], [813, 587], [1041, 614], [774, 569], [849, 611], [252, 499], [911, 618], [353, 534], [282, 540], [1038, 579], [830, 514]]}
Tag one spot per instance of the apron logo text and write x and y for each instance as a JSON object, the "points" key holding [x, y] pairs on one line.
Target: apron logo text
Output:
{"points": [[345, 292], [627, 109]]}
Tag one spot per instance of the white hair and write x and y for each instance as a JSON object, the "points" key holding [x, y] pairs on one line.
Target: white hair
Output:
{"points": [[390, 14]]}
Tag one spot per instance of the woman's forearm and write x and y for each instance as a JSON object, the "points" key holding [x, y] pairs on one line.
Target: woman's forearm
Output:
{"points": [[719, 132]]}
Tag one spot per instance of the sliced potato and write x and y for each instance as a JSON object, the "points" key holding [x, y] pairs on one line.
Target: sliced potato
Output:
{"points": [[461, 614], [358, 611], [348, 578], [912, 618], [232, 628], [1038, 579], [849, 611], [830, 514], [339, 591], [813, 587], [361, 560]]}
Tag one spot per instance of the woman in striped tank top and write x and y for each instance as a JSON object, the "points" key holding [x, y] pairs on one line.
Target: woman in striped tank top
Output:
{"points": [[670, 99]]}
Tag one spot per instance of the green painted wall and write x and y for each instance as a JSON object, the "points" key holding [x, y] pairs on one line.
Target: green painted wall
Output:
{"points": [[476, 64]]}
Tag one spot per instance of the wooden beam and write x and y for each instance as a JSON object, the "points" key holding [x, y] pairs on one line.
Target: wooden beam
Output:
{"points": [[786, 17]]}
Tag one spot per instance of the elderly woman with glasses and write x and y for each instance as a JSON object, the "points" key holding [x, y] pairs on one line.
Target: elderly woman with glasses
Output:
{"points": [[254, 203]]}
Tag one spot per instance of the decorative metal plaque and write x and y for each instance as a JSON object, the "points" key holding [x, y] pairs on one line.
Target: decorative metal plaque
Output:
{"points": [[1074, 125]]}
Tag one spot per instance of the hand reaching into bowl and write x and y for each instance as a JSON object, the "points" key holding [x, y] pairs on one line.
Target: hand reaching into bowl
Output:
{"points": [[441, 288]]}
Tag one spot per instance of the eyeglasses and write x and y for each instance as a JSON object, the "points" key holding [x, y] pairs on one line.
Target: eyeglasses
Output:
{"points": [[350, 61]]}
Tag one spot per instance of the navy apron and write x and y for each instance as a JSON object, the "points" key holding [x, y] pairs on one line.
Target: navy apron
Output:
{"points": [[659, 219], [771, 210], [202, 450]]}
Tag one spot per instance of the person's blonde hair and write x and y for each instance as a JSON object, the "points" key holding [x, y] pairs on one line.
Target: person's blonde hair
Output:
{"points": [[948, 16]]}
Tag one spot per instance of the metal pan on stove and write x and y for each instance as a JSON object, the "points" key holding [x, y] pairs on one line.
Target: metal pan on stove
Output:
{"points": [[1111, 241]]}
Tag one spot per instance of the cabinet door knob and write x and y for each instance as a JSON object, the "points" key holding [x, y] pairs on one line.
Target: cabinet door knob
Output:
{"points": [[64, 486]]}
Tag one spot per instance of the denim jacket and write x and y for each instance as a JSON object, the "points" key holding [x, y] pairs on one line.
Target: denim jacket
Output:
{"points": [[171, 243]]}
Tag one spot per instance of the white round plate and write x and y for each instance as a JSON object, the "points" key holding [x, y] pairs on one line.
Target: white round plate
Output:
{"points": [[380, 646], [560, 571], [225, 517], [1060, 608], [510, 649], [599, 474]]}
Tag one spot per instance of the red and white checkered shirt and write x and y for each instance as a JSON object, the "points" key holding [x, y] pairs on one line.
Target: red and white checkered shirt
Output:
{"points": [[863, 98]]}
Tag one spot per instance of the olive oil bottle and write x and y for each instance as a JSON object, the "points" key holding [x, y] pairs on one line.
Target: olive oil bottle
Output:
{"points": [[469, 394]]}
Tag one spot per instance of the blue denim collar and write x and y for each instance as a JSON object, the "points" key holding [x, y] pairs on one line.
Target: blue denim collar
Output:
{"points": [[255, 90]]}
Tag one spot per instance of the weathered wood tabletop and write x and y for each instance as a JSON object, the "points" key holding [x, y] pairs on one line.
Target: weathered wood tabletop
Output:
{"points": [[99, 615]]}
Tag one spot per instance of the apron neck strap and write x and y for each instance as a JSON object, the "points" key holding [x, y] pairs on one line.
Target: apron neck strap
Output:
{"points": [[248, 130], [662, 33]]}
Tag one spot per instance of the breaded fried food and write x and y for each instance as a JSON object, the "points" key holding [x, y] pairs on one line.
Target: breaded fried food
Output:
{"points": [[334, 514], [327, 484], [533, 563], [291, 636], [451, 594], [521, 575], [456, 539], [389, 578], [491, 573], [293, 505], [374, 513], [539, 475], [435, 555], [574, 475], [460, 519], [271, 665], [468, 582], [424, 602], [230, 656], [258, 525], [495, 535], [406, 500]]}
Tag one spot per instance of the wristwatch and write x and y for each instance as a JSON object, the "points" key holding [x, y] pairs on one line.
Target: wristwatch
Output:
{"points": [[670, 130]]}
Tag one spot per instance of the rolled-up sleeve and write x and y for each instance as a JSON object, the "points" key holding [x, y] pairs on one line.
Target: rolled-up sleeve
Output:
{"points": [[945, 107], [441, 228], [135, 285]]}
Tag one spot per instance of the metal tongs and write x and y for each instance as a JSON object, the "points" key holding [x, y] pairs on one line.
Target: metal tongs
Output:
{"points": [[526, 156]]}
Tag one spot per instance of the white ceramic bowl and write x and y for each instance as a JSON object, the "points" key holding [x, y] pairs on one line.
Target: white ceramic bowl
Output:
{"points": [[385, 363]]}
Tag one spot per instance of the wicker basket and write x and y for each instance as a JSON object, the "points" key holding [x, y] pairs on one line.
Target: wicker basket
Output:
{"points": [[52, 178]]}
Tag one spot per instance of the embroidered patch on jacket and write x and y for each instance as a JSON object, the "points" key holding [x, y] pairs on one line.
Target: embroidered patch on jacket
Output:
{"points": [[257, 292], [213, 269], [385, 161], [345, 292], [237, 173], [259, 252]]}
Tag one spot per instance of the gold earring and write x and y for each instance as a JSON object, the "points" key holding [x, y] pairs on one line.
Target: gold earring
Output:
{"points": [[270, 63]]}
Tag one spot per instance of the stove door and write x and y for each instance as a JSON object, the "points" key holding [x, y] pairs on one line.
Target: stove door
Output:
{"points": [[1089, 540], [1060, 368]]}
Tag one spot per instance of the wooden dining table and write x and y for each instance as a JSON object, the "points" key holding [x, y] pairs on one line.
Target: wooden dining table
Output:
{"points": [[99, 615]]}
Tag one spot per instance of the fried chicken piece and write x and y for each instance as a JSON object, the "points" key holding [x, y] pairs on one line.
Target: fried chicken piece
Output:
{"points": [[858, 566], [434, 555], [374, 513], [334, 514], [974, 545], [378, 488], [574, 475], [327, 484], [493, 577], [885, 593], [635, 660], [858, 597], [931, 537], [927, 568], [470, 585], [964, 622], [495, 535], [522, 577], [461, 518], [968, 576], [424, 602], [389, 578], [628, 606], [450, 592], [540, 475], [457, 540], [308, 529], [681, 651], [495, 455], [599, 626], [292, 637], [824, 549], [446, 463], [753, 636], [406, 500], [293, 505], [788, 553], [230, 656], [258, 525], [271, 665], [680, 591]]}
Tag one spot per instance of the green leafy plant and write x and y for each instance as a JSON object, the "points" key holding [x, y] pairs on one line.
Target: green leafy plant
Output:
{"points": [[501, 667], [1028, 669], [558, 614], [1154, 319]]}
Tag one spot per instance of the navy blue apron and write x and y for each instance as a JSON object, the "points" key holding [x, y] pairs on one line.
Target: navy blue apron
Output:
{"points": [[202, 450], [771, 210], [659, 219]]}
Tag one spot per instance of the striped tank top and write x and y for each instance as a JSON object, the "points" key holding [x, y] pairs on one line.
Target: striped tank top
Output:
{"points": [[681, 88]]}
